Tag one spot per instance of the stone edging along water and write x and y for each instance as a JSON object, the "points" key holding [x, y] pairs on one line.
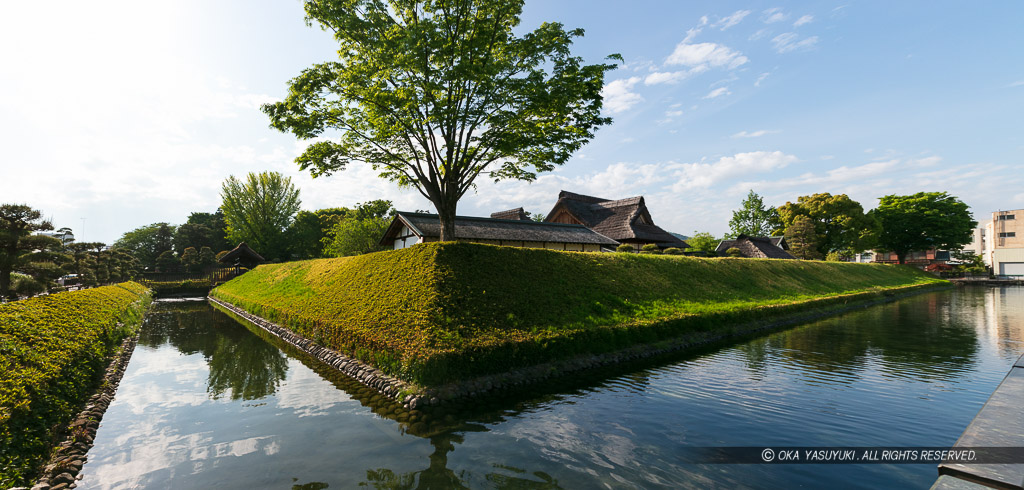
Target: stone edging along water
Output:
{"points": [[61, 471], [413, 396]]}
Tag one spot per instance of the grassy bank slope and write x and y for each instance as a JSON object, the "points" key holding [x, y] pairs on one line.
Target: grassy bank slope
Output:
{"points": [[53, 349], [443, 311]]}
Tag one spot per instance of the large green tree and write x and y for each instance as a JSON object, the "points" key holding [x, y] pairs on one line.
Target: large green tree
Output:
{"points": [[360, 231], [307, 232], [839, 222], [803, 239], [146, 243], [259, 209], [18, 223], [753, 218], [202, 230], [922, 221], [702, 241], [434, 94]]}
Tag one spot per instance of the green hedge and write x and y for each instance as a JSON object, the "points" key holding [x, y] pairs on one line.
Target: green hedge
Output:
{"points": [[53, 350], [439, 312]]}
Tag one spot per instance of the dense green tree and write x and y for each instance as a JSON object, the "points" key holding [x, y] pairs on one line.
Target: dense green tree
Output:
{"points": [[922, 221], [202, 230], [206, 258], [167, 262], [839, 222], [307, 232], [66, 236], [435, 94], [703, 242], [360, 231], [18, 222], [190, 260], [803, 239], [753, 218], [146, 243], [84, 263], [258, 210]]}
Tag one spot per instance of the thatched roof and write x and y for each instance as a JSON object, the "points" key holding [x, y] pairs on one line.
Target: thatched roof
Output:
{"points": [[756, 247], [513, 214], [472, 228], [622, 220], [242, 254]]}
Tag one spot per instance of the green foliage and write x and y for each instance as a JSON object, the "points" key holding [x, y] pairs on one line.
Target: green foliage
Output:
{"points": [[190, 260], [839, 256], [306, 234], [753, 218], [55, 348], [259, 210], [650, 248], [443, 311], [922, 221], [703, 241], [359, 232], [202, 230], [803, 239], [435, 94], [625, 248], [18, 222], [733, 252], [146, 243], [167, 262], [206, 258], [970, 262], [673, 251], [839, 222]]}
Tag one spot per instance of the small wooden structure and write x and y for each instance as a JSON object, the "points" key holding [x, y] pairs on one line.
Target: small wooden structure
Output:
{"points": [[623, 220], [242, 256]]}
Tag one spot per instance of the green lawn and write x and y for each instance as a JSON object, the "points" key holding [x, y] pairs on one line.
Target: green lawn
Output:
{"points": [[443, 311]]}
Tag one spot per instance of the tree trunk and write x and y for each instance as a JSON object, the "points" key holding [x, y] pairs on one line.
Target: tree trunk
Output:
{"points": [[5, 281], [447, 216], [901, 257]]}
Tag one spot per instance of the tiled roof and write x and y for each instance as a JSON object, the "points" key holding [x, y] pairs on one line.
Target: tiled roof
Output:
{"points": [[755, 247], [513, 214], [242, 253], [622, 219], [472, 228]]}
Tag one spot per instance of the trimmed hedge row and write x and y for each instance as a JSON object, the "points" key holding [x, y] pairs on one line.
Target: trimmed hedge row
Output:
{"points": [[53, 349], [440, 312]]}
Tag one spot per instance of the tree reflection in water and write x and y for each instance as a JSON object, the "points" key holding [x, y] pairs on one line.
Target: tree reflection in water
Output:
{"points": [[242, 365]]}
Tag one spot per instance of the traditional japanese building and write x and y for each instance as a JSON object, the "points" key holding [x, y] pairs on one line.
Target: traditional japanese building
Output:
{"points": [[623, 220], [408, 229], [757, 247]]}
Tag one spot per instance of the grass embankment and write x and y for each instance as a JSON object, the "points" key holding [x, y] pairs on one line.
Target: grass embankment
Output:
{"points": [[440, 312], [53, 350]]}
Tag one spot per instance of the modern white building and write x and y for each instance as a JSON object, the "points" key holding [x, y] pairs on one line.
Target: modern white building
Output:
{"points": [[1000, 242]]}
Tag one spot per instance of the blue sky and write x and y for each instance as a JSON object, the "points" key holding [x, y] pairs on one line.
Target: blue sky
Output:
{"points": [[127, 113]]}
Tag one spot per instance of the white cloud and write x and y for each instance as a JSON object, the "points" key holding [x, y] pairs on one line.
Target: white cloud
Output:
{"points": [[759, 34], [807, 19], [705, 55], [670, 77], [673, 113], [727, 22], [1018, 83], [755, 134], [787, 42], [760, 79], [773, 15], [718, 92], [618, 95], [703, 175]]}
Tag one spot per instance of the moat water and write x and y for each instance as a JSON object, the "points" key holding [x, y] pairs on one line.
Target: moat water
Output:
{"points": [[208, 403]]}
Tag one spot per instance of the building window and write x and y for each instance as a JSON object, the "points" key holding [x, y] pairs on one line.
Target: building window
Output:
{"points": [[1005, 217], [1009, 234]]}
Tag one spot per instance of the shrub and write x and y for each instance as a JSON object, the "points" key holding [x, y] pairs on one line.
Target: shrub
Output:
{"points": [[625, 247], [673, 251], [650, 248], [55, 349], [439, 312], [733, 252]]}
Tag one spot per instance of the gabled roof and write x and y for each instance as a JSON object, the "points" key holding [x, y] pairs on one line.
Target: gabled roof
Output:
{"points": [[779, 241], [756, 247], [622, 219], [513, 214], [472, 228], [242, 254]]}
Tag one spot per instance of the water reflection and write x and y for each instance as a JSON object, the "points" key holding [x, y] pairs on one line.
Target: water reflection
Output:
{"points": [[241, 365], [232, 407]]}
